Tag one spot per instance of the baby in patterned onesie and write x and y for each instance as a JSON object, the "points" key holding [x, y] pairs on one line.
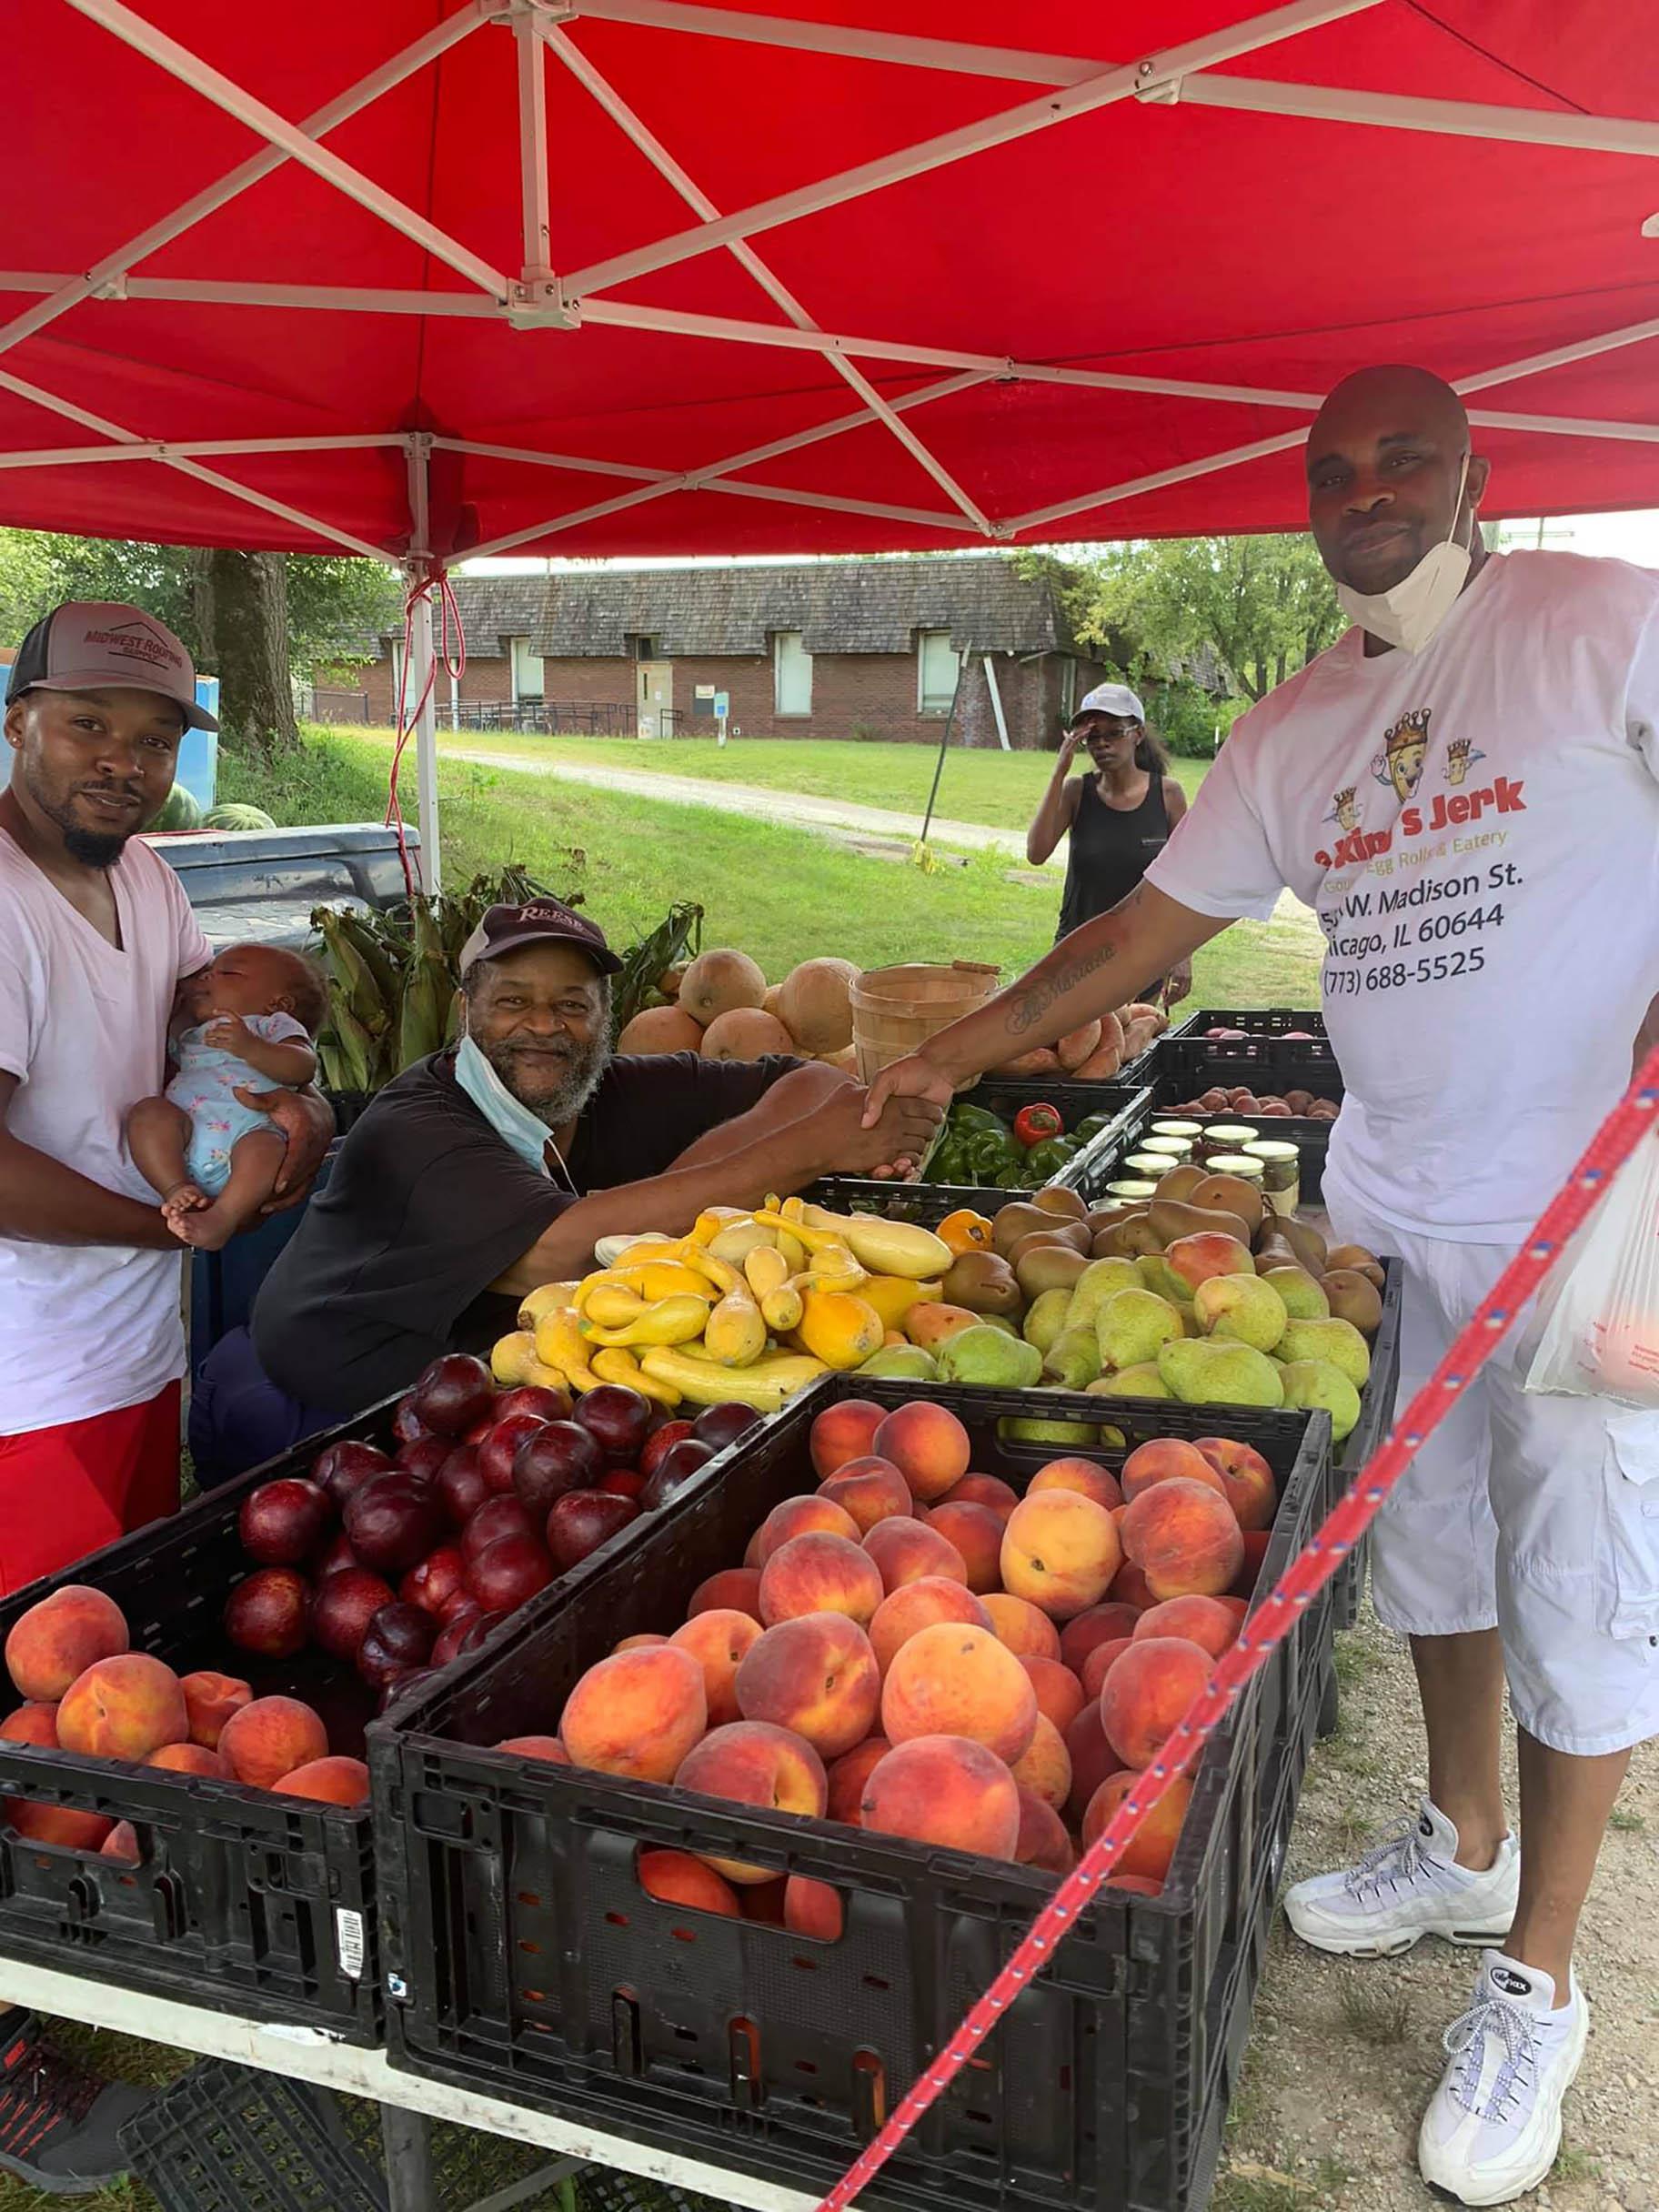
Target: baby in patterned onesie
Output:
{"points": [[245, 1022]]}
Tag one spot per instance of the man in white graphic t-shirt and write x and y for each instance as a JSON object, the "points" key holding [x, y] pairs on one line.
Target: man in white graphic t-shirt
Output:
{"points": [[1465, 788]]}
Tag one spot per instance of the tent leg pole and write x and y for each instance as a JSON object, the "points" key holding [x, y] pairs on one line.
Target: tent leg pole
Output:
{"points": [[423, 683], [996, 701]]}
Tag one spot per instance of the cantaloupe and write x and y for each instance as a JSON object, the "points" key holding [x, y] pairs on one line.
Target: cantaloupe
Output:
{"points": [[718, 981], [815, 1006], [772, 1003], [846, 1058], [661, 1029], [747, 1032]]}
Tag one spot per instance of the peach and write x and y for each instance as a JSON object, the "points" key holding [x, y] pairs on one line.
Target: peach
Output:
{"points": [[1238, 1607], [1202, 1620], [1243, 1584], [1060, 1695], [983, 1490], [717, 1641], [751, 1551], [947, 1789], [1147, 1692], [754, 1762], [928, 1444], [976, 1532], [1083, 1475], [1091, 1756], [813, 1909], [1101, 1661], [58, 1824], [189, 1759], [1060, 1552], [844, 1431], [1184, 1539], [919, 1606], [799, 1517], [269, 1738], [32, 1724], [1043, 1842], [640, 1644], [1044, 1768], [815, 1675], [1246, 1478], [905, 1551], [869, 1490], [1167, 1459], [734, 1588], [1130, 1588], [1196, 1257], [847, 1776], [57, 1640], [1100, 1624], [121, 1843], [547, 1748], [330, 1781], [1147, 1855], [1028, 1634], [123, 1708], [957, 1681], [637, 1713], [819, 1573], [210, 1700], [675, 1877]]}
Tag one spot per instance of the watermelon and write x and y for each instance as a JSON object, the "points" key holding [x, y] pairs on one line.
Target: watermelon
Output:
{"points": [[181, 812], [237, 815]]}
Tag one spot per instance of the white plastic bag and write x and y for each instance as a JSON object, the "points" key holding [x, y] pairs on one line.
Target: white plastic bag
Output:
{"points": [[1599, 1310]]}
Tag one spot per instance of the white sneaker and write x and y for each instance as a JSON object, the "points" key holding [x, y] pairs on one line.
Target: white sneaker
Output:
{"points": [[1493, 2126], [1407, 1887]]}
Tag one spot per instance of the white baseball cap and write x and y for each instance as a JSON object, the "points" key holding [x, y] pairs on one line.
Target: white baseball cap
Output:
{"points": [[89, 645], [1111, 699]]}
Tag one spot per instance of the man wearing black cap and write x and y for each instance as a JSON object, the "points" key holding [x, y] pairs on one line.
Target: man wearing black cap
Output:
{"points": [[488, 1169]]}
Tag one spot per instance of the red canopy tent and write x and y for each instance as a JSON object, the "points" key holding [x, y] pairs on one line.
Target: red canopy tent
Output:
{"points": [[425, 278]]}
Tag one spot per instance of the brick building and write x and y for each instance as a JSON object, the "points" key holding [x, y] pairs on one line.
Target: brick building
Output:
{"points": [[833, 648]]}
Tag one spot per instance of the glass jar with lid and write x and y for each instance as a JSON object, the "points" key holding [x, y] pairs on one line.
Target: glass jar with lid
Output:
{"points": [[1281, 1172]]}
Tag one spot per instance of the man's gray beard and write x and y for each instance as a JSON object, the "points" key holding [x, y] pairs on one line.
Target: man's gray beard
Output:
{"points": [[586, 1073]]}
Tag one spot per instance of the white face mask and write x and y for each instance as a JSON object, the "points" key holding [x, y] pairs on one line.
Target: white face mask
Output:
{"points": [[1410, 612]]}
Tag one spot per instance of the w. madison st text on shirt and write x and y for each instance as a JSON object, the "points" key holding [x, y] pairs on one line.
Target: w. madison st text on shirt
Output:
{"points": [[1477, 829]]}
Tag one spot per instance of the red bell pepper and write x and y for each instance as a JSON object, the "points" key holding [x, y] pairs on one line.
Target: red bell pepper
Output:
{"points": [[1037, 1125]]}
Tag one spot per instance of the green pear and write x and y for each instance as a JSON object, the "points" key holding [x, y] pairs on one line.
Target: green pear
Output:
{"points": [[1021, 1429], [1001, 1321], [902, 1363], [1339, 1341], [1304, 1299], [1046, 1319], [1099, 1281], [1142, 1381], [1072, 1360], [1315, 1383], [1208, 1370], [1156, 1275], [1241, 1307], [992, 1356], [1132, 1324]]}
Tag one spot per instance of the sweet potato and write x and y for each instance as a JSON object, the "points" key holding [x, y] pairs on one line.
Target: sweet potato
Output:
{"points": [[1077, 1046], [1100, 1066], [1043, 1062]]}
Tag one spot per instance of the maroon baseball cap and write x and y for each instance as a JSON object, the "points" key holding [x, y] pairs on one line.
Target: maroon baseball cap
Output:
{"points": [[539, 921], [91, 645]]}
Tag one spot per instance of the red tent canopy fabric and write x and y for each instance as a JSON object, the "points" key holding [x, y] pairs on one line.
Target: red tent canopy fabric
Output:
{"points": [[643, 276]]}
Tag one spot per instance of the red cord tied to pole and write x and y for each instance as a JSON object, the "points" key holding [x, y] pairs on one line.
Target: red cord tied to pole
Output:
{"points": [[1273, 1620], [449, 651]]}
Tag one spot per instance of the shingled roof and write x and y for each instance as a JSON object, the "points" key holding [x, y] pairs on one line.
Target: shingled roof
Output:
{"points": [[839, 606]]}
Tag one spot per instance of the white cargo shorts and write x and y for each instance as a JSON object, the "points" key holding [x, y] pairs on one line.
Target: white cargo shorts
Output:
{"points": [[1535, 1515]]}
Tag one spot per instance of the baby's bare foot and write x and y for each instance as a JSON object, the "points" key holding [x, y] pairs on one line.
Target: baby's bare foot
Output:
{"points": [[206, 1227], [184, 1199]]}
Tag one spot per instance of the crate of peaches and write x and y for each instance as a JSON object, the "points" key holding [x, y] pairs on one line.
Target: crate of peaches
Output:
{"points": [[716, 1846]]}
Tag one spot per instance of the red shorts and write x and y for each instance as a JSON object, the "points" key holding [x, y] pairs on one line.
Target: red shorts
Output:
{"points": [[72, 1489]]}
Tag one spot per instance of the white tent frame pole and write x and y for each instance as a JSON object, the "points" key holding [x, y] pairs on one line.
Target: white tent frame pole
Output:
{"points": [[70, 291], [646, 141], [533, 150], [1445, 118], [1064, 105], [235, 100], [193, 448], [420, 678], [1014, 65]]}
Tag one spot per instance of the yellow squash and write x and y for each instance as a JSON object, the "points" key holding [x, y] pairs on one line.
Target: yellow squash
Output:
{"points": [[767, 1386]]}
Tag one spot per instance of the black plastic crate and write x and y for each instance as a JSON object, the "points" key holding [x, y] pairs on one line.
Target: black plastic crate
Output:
{"points": [[525, 1962], [1254, 1020], [242, 1900], [1376, 1412]]}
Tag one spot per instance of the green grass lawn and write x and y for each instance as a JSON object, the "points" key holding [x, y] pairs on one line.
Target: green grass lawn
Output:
{"points": [[780, 894], [998, 789]]}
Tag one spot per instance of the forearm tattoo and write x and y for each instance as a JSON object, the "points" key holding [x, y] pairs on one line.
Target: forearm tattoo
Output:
{"points": [[1027, 1007]]}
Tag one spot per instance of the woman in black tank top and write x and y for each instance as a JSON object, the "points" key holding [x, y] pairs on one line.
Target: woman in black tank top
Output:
{"points": [[1117, 816]]}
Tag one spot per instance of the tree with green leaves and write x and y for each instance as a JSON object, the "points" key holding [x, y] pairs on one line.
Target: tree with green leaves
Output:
{"points": [[254, 620], [1258, 607]]}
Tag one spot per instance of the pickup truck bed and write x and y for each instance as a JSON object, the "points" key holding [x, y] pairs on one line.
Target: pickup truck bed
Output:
{"points": [[260, 885]]}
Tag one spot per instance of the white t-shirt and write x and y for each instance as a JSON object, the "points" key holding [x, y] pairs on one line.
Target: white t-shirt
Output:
{"points": [[87, 1328], [1477, 828]]}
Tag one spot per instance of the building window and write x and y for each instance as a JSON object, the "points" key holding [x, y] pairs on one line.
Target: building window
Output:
{"points": [[1068, 691], [792, 674], [937, 661], [645, 649], [527, 677]]}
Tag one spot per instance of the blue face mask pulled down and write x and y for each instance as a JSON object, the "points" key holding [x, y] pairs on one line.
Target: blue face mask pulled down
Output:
{"points": [[510, 1118]]}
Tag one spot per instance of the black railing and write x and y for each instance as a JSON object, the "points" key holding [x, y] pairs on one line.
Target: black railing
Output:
{"points": [[559, 718]]}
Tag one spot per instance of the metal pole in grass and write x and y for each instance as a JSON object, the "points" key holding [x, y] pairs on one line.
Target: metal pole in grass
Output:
{"points": [[921, 852]]}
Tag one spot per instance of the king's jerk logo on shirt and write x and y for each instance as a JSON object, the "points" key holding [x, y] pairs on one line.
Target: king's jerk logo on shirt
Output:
{"points": [[1400, 765]]}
